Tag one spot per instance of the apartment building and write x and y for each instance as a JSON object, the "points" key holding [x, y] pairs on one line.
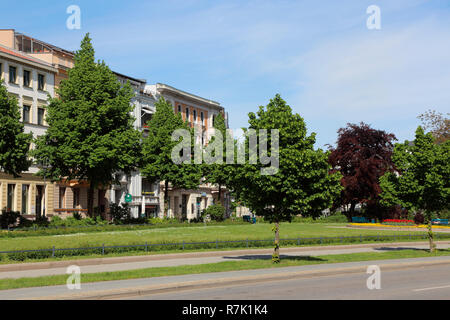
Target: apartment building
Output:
{"points": [[38, 69], [29, 80], [200, 113]]}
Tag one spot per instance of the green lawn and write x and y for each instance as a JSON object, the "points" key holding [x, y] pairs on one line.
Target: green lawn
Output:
{"points": [[217, 267], [187, 234]]}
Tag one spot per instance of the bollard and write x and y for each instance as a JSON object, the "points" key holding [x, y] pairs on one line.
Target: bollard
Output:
{"points": [[146, 246], [53, 252], [103, 249], [183, 244], [298, 241], [217, 244], [360, 238]]}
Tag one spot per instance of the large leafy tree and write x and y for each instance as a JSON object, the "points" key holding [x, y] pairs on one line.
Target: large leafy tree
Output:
{"points": [[157, 162], [301, 185], [422, 181], [437, 123], [90, 135], [362, 155], [14, 143], [220, 173]]}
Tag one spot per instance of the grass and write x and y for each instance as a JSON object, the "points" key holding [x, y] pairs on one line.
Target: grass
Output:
{"points": [[241, 264], [187, 234]]}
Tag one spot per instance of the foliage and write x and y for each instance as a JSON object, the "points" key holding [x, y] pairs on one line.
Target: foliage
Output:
{"points": [[14, 143], [90, 134], [119, 213], [216, 212], [157, 163], [362, 156], [302, 184], [220, 173], [422, 181], [437, 123], [8, 218]]}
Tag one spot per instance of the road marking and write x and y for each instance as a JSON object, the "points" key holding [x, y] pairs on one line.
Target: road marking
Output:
{"points": [[432, 288]]}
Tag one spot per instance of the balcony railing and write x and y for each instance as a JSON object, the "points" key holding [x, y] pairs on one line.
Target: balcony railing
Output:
{"points": [[137, 200]]}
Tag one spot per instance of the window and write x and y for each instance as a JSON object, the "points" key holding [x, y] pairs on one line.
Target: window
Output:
{"points": [[76, 198], [62, 197], [10, 197], [179, 108], [202, 118], [26, 78], [41, 82], [41, 113], [187, 114], [26, 114], [12, 74], [25, 192], [1, 71], [195, 116]]}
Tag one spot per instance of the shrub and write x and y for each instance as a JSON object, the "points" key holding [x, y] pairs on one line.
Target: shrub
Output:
{"points": [[119, 213], [216, 212], [8, 218]]}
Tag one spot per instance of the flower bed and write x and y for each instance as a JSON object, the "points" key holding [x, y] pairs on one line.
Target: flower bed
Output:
{"points": [[399, 222]]}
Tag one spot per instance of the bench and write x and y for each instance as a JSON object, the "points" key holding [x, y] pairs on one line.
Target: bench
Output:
{"points": [[439, 221], [362, 220]]}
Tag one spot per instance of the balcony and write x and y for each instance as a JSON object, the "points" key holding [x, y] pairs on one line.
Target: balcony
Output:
{"points": [[149, 200]]}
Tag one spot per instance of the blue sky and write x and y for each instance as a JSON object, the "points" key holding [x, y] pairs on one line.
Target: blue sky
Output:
{"points": [[319, 55]]}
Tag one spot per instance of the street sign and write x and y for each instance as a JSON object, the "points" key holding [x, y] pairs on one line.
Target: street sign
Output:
{"points": [[128, 198]]}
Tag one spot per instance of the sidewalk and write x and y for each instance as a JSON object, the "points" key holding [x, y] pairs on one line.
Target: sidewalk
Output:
{"points": [[136, 287], [39, 269]]}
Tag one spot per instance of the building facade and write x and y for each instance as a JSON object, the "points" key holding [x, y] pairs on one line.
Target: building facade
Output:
{"points": [[29, 80]]}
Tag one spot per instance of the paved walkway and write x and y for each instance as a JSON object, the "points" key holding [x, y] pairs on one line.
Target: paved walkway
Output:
{"points": [[22, 270]]}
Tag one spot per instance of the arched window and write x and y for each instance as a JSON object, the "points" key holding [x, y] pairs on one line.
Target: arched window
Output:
{"points": [[187, 114], [179, 108], [194, 113], [202, 118]]}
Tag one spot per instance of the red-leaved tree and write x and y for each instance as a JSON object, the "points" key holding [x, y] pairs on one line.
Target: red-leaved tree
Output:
{"points": [[362, 155]]}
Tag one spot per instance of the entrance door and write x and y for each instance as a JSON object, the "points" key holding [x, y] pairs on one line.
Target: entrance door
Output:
{"points": [[184, 206], [39, 198]]}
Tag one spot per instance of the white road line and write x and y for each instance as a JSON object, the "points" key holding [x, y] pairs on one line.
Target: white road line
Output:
{"points": [[432, 288]]}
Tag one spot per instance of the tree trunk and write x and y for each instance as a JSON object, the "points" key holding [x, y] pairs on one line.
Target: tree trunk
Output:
{"points": [[276, 251], [166, 198], [431, 236], [352, 208], [91, 200]]}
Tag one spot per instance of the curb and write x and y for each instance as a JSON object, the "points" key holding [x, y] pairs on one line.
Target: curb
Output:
{"points": [[213, 283], [169, 256]]}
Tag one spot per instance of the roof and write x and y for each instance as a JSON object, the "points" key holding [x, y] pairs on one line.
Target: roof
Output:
{"points": [[164, 87], [27, 58], [46, 44]]}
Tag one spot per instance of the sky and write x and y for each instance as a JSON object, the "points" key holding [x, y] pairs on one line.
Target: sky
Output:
{"points": [[320, 56]]}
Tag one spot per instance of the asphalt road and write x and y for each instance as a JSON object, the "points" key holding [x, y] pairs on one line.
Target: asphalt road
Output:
{"points": [[430, 282]]}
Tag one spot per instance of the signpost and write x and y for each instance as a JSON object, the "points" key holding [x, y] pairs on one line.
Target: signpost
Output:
{"points": [[128, 198]]}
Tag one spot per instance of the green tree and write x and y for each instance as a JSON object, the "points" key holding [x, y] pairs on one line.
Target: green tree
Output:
{"points": [[422, 182], [90, 135], [219, 173], [302, 184], [14, 143], [157, 163]]}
